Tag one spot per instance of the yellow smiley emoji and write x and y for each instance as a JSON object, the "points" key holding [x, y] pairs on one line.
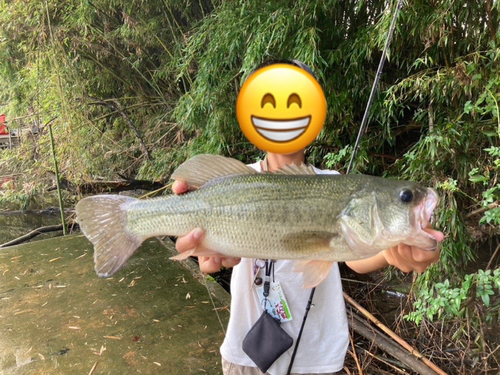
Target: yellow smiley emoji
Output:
{"points": [[281, 108]]}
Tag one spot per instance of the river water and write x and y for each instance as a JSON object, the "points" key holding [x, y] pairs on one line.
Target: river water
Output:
{"points": [[15, 224]]}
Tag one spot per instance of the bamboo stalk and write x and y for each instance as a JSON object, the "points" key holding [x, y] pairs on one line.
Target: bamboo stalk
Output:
{"points": [[157, 191], [59, 195], [393, 335]]}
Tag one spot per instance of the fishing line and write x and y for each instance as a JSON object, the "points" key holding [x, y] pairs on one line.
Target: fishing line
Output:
{"points": [[216, 311], [213, 304], [354, 152]]}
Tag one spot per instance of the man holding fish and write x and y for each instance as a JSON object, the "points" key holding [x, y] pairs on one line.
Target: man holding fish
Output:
{"points": [[325, 338], [289, 226]]}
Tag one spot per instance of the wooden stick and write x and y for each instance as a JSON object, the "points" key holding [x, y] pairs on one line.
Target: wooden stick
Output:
{"points": [[354, 355], [93, 368], [363, 327], [481, 210], [393, 335], [385, 362], [493, 257]]}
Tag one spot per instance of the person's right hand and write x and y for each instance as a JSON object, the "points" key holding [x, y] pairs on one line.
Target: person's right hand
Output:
{"points": [[194, 239]]}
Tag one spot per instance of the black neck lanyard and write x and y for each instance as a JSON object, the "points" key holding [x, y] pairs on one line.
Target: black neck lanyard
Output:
{"points": [[267, 279]]}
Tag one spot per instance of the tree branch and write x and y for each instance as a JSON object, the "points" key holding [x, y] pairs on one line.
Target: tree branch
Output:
{"points": [[115, 106]]}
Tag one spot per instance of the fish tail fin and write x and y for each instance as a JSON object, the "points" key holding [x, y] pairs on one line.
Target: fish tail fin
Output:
{"points": [[103, 220]]}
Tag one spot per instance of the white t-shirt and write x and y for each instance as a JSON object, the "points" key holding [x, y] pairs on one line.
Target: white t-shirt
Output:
{"points": [[325, 337]]}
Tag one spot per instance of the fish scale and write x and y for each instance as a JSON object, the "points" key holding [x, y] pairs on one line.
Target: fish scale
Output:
{"points": [[243, 213]]}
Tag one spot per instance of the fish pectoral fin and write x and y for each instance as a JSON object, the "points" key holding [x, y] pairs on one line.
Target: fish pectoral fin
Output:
{"points": [[312, 244], [313, 271], [198, 251], [183, 255], [200, 169], [309, 242]]}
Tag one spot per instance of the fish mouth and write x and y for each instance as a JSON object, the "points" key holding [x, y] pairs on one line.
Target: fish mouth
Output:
{"points": [[281, 130], [427, 207], [422, 239]]}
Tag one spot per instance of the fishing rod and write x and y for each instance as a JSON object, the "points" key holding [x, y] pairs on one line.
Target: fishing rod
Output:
{"points": [[364, 122], [362, 130]]}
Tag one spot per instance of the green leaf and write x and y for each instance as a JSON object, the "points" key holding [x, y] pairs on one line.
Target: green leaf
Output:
{"points": [[486, 299], [468, 107]]}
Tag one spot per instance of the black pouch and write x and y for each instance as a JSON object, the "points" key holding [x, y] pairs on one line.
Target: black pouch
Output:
{"points": [[266, 342]]}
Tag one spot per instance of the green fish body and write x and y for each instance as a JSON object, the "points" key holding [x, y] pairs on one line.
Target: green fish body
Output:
{"points": [[292, 214]]}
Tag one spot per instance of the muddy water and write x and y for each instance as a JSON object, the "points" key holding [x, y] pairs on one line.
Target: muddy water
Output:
{"points": [[58, 317], [16, 224]]}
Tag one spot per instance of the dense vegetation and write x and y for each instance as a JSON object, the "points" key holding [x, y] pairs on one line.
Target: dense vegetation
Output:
{"points": [[134, 88]]}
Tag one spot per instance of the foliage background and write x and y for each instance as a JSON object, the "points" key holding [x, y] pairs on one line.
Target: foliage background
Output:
{"points": [[136, 87]]}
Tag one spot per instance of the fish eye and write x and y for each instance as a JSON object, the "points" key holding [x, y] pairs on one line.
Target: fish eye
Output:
{"points": [[406, 195]]}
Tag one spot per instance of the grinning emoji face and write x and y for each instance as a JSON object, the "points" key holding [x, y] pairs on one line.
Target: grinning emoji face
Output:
{"points": [[281, 108]]}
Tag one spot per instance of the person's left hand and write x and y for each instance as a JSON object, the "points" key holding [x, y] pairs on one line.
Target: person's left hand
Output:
{"points": [[194, 240], [411, 258]]}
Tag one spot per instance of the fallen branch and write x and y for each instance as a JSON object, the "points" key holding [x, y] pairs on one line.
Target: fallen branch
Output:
{"points": [[111, 186], [481, 210], [33, 233], [93, 368], [385, 362], [364, 329], [414, 352]]}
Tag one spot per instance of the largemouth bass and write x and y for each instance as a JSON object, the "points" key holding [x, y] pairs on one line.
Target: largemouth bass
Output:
{"points": [[290, 214]]}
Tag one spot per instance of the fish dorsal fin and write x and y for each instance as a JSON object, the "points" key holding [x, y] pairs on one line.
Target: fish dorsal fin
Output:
{"points": [[202, 168], [302, 169]]}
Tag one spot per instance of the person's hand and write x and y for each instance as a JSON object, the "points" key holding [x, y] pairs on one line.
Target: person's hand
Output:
{"points": [[194, 240], [411, 258], [180, 187], [406, 258]]}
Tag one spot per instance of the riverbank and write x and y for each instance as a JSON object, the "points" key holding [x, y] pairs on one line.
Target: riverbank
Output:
{"points": [[58, 317]]}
